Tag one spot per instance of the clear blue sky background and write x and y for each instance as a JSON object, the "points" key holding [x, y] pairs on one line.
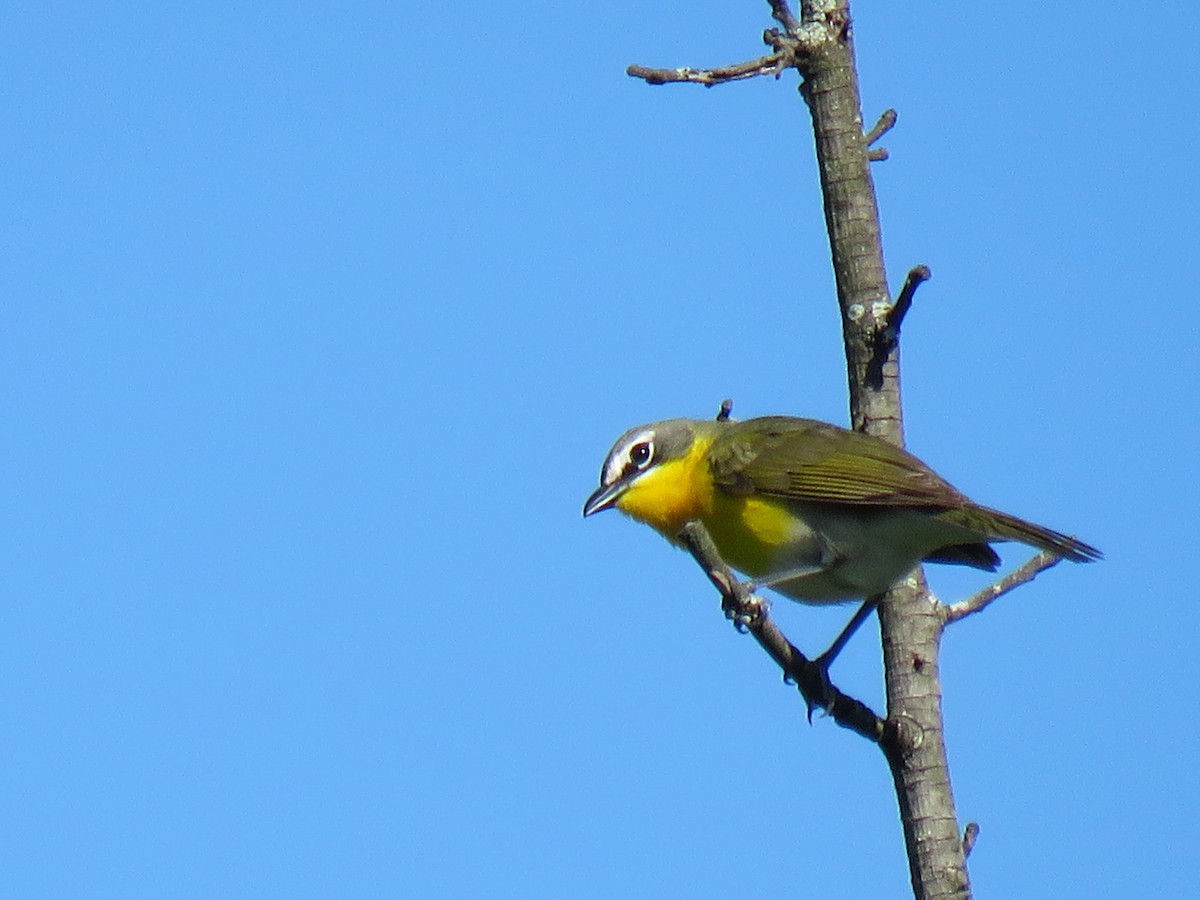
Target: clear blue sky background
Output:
{"points": [[317, 322]]}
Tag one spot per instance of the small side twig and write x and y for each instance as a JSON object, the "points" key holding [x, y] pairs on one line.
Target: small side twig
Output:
{"points": [[787, 51], [983, 599], [751, 613], [782, 13], [887, 121], [887, 335], [970, 834], [917, 276], [772, 64]]}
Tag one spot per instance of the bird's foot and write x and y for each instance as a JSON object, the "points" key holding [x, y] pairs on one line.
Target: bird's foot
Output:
{"points": [[812, 678], [743, 607]]}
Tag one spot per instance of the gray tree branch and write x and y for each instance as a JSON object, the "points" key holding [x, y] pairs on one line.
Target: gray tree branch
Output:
{"points": [[983, 599], [818, 43]]}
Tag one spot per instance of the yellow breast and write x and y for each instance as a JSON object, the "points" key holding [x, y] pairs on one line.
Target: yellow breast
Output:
{"points": [[749, 531], [672, 494]]}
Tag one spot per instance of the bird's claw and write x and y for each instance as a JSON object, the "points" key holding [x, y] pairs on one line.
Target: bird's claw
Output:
{"points": [[818, 691], [743, 609]]}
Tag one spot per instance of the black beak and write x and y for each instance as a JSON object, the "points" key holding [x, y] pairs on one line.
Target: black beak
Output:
{"points": [[604, 497]]}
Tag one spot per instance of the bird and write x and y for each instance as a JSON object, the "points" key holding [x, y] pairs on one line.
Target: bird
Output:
{"points": [[819, 513]]}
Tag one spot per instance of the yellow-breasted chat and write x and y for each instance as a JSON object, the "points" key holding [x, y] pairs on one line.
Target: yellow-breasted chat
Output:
{"points": [[817, 512]]}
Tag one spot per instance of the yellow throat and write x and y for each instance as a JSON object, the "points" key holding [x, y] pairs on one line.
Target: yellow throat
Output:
{"points": [[672, 493]]}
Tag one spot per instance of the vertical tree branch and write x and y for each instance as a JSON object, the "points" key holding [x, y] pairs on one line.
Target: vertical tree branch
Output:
{"points": [[819, 44], [909, 621]]}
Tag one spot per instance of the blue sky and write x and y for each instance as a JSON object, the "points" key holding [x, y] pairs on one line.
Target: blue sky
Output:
{"points": [[318, 321]]}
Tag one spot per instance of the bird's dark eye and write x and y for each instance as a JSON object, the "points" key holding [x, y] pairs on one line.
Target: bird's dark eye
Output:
{"points": [[640, 453]]}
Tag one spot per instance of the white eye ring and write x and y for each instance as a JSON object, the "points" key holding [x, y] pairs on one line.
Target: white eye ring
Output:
{"points": [[641, 454]]}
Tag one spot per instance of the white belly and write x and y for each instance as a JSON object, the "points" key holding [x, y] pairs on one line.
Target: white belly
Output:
{"points": [[852, 553]]}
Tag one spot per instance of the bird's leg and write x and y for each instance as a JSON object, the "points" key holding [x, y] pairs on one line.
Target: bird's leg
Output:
{"points": [[775, 578], [825, 660], [813, 678], [827, 558]]}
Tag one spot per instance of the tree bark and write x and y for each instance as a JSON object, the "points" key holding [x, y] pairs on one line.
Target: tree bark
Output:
{"points": [[819, 44], [910, 622]]}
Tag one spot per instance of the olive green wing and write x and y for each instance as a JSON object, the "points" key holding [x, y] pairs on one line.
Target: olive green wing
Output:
{"points": [[803, 459]]}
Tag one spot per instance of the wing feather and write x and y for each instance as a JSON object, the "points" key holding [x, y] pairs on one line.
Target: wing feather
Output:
{"points": [[803, 459]]}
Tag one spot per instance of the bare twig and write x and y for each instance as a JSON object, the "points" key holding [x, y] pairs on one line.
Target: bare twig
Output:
{"points": [[981, 600], [887, 121], [772, 64], [887, 336], [970, 834], [782, 13], [751, 613], [787, 51], [917, 276]]}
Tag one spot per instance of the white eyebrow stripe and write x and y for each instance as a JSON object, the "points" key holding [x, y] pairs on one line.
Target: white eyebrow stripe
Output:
{"points": [[615, 465]]}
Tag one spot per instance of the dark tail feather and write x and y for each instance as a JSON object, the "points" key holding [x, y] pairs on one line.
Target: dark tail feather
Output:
{"points": [[1002, 527], [977, 556]]}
